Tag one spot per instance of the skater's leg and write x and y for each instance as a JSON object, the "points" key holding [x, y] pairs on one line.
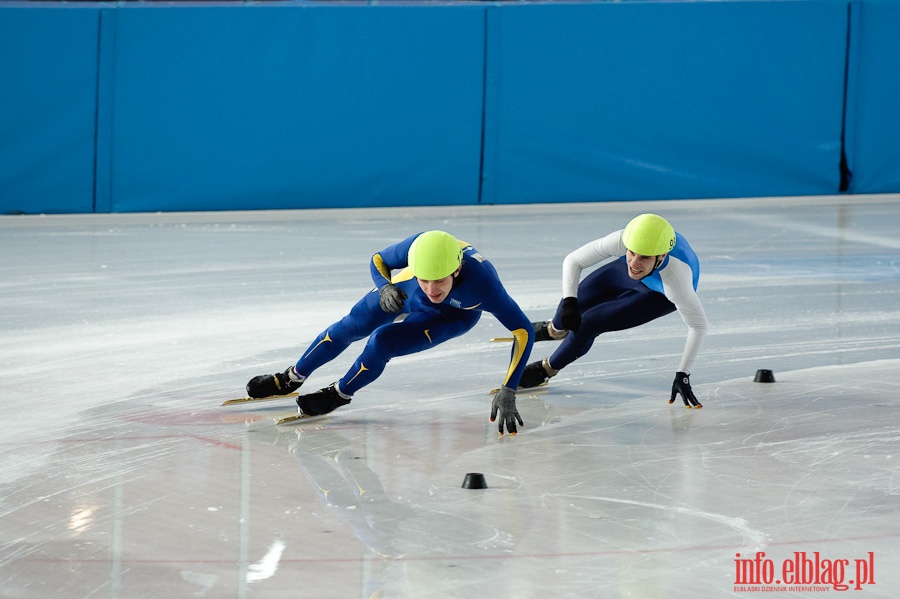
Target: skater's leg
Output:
{"points": [[365, 317], [609, 300], [418, 332]]}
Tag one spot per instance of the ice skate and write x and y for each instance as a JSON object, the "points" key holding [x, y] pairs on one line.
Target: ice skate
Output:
{"points": [[322, 401], [267, 385], [536, 374], [544, 331]]}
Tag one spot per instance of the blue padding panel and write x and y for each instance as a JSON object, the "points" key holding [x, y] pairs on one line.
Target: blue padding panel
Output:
{"points": [[48, 71], [873, 123], [236, 107], [628, 101]]}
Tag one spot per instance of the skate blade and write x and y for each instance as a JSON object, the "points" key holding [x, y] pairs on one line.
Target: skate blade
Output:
{"points": [[292, 418], [229, 402], [501, 339]]}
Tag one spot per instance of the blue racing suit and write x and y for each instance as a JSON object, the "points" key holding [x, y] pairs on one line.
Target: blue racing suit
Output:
{"points": [[477, 288]]}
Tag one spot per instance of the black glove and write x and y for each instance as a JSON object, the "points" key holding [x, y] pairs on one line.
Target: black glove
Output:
{"points": [[569, 316], [391, 298], [682, 385], [505, 403]]}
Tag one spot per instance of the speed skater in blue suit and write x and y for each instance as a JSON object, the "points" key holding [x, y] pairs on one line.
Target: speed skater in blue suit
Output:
{"points": [[429, 288]]}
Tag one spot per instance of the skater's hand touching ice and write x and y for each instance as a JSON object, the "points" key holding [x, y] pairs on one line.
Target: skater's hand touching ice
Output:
{"points": [[682, 385], [505, 403]]}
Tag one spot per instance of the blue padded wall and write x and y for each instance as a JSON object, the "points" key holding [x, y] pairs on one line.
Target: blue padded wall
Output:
{"points": [[125, 107], [873, 132], [288, 106], [618, 101], [48, 89]]}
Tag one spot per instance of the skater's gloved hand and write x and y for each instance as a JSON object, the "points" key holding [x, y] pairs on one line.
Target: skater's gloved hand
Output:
{"points": [[682, 385], [505, 403], [569, 316], [392, 298]]}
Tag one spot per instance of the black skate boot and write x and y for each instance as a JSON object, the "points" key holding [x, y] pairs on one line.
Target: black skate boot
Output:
{"points": [[536, 373], [267, 385], [322, 401], [544, 332]]}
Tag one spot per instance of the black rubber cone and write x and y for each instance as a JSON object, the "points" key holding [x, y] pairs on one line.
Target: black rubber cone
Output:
{"points": [[764, 376], [474, 480]]}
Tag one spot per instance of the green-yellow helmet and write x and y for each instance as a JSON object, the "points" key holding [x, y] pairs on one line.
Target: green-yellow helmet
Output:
{"points": [[434, 255], [649, 235]]}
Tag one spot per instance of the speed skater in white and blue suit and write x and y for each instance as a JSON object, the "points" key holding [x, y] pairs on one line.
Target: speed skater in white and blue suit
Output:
{"points": [[650, 271], [429, 288]]}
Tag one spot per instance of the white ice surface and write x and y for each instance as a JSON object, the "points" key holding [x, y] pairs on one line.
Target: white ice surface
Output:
{"points": [[122, 476]]}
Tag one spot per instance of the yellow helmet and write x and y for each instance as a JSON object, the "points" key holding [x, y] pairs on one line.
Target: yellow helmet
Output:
{"points": [[434, 255], [649, 235]]}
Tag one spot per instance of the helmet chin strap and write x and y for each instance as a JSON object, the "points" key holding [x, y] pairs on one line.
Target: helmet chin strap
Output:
{"points": [[455, 275], [659, 261]]}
